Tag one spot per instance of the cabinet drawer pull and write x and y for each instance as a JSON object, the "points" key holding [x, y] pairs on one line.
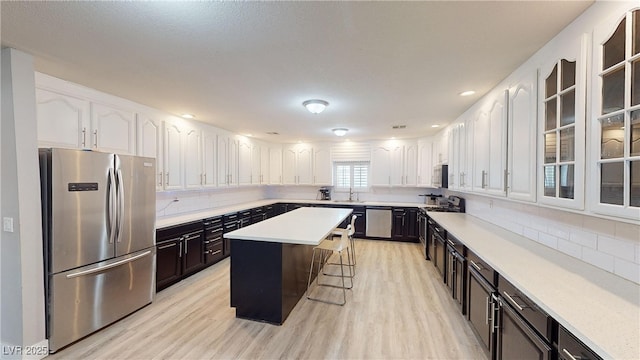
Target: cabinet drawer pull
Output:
{"points": [[216, 252], [95, 133], [476, 265], [571, 357], [84, 137], [486, 312], [451, 242], [166, 246], [191, 237], [513, 302]]}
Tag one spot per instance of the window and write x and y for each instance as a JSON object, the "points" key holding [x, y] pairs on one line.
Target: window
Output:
{"points": [[351, 175]]}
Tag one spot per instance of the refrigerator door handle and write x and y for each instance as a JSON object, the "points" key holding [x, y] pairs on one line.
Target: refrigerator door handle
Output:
{"points": [[107, 267], [111, 204], [120, 203]]}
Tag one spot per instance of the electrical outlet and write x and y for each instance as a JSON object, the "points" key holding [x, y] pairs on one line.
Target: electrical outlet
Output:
{"points": [[7, 224]]}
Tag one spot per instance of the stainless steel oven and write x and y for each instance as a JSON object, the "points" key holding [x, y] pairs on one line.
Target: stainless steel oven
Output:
{"points": [[441, 176]]}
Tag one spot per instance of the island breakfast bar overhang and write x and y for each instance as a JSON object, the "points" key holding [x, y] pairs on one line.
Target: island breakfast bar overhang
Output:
{"points": [[270, 261]]}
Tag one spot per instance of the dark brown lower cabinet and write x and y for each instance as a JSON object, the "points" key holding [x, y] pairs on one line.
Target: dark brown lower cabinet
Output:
{"points": [[168, 266], [179, 253], [516, 339], [481, 306], [570, 348]]}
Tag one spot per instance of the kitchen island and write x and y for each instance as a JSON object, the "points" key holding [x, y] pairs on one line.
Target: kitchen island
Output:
{"points": [[270, 261]]}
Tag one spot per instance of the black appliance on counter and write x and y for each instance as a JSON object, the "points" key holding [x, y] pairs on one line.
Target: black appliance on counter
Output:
{"points": [[427, 226], [441, 176]]}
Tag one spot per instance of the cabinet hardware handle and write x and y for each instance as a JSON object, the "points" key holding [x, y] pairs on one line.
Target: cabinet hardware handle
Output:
{"points": [[451, 242], [506, 180], [95, 133], [205, 178], [216, 252], [476, 265], [160, 180], [166, 175], [84, 137], [486, 312], [493, 315], [484, 182], [571, 357], [513, 302], [180, 252], [166, 246], [186, 246]]}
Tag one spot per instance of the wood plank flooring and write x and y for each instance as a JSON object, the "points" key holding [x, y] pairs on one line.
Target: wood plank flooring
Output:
{"points": [[398, 309]]}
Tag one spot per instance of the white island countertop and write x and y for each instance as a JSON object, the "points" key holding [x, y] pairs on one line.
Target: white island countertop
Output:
{"points": [[598, 307], [303, 226]]}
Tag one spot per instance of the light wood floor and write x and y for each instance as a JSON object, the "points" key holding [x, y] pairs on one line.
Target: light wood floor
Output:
{"points": [[398, 309]]}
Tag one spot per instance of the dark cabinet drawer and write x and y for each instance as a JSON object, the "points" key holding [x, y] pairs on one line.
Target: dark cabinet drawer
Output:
{"points": [[516, 339], [570, 348], [475, 262], [539, 320], [213, 251]]}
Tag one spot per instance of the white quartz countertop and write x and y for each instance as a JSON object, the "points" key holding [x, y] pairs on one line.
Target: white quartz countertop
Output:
{"points": [[166, 221], [305, 226], [600, 308]]}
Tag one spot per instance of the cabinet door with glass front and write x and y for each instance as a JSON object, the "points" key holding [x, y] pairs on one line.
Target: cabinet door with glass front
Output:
{"points": [[616, 116], [562, 126]]}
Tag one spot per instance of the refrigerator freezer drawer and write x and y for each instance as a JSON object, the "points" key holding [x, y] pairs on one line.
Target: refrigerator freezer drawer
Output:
{"points": [[86, 299]]}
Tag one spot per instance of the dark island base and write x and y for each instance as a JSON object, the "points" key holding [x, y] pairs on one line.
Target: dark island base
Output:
{"points": [[268, 279]]}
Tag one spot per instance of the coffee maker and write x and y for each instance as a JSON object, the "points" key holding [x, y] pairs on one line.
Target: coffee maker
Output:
{"points": [[324, 194]]}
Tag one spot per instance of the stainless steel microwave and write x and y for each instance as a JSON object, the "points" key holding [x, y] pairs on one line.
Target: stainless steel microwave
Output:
{"points": [[441, 176]]}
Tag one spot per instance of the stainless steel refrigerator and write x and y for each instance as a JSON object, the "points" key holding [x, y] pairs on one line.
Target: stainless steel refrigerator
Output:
{"points": [[98, 219]]}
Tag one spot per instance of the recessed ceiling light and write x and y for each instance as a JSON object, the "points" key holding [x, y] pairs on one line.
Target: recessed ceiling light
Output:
{"points": [[188, 116], [393, 138], [435, 125], [315, 106], [467, 93], [249, 135], [273, 133]]}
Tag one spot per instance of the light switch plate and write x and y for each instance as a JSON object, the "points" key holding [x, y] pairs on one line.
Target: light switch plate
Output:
{"points": [[7, 224]]}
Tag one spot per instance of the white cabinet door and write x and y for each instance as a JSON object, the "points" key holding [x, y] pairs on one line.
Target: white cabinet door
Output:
{"points": [[244, 162], [497, 157], [209, 158], [112, 129], [480, 151], [466, 148], [396, 170], [194, 177], [411, 165], [222, 161], [380, 166], [305, 165], [172, 156], [63, 121], [454, 155], [322, 171], [150, 143], [256, 164], [522, 140], [264, 164], [425, 167], [289, 171], [275, 166]]}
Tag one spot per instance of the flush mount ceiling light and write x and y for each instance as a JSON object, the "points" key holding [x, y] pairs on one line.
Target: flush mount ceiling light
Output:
{"points": [[315, 106], [467, 93], [188, 116], [340, 131], [435, 125]]}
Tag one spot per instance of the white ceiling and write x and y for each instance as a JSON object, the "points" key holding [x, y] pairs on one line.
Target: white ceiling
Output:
{"points": [[248, 66]]}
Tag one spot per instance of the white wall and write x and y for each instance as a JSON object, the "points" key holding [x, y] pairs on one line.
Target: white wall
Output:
{"points": [[22, 297], [396, 194]]}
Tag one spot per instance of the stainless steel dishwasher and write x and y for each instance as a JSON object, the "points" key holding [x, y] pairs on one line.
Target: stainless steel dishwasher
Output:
{"points": [[379, 222]]}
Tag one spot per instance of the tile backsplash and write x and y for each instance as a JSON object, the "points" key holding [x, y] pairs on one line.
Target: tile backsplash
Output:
{"points": [[611, 245], [205, 199]]}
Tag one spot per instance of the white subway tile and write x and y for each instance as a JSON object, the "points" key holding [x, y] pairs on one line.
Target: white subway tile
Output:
{"points": [[530, 233], [627, 270], [548, 240], [558, 230], [619, 248], [570, 248], [599, 259], [584, 238]]}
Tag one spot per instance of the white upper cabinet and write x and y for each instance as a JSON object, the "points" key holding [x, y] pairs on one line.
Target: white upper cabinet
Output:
{"points": [[322, 169], [521, 173], [227, 160], [561, 125], [297, 165], [194, 175], [244, 162], [425, 167], [264, 164], [63, 121], [275, 165], [209, 157], [173, 163], [112, 129], [615, 120], [480, 150], [394, 163], [150, 143]]}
